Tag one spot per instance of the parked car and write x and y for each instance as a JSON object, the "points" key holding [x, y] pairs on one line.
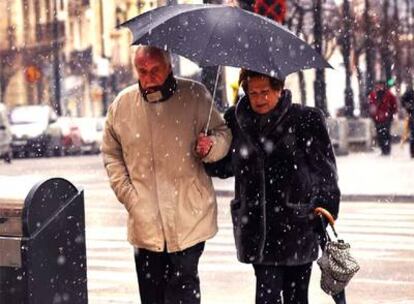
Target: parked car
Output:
{"points": [[91, 131], [5, 135], [35, 131], [71, 137]]}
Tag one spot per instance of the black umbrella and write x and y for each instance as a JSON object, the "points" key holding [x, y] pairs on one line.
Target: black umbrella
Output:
{"points": [[213, 35], [223, 35]]}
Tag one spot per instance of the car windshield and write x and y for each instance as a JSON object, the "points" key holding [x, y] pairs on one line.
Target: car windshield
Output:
{"points": [[28, 115]]}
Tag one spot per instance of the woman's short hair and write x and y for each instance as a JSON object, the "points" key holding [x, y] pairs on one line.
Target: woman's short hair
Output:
{"points": [[246, 75]]}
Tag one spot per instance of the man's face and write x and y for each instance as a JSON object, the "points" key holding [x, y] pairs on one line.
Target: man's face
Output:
{"points": [[152, 69], [262, 97]]}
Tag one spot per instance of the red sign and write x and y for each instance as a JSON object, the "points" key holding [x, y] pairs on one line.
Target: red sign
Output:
{"points": [[32, 74], [273, 9]]}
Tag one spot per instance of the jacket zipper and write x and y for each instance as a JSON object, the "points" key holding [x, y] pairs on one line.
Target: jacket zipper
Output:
{"points": [[164, 243]]}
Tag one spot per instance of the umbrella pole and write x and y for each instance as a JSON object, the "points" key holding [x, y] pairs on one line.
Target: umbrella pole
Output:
{"points": [[212, 100]]}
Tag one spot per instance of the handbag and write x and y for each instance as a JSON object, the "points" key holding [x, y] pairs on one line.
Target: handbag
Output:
{"points": [[337, 264]]}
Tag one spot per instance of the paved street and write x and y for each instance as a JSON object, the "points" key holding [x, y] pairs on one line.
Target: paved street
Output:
{"points": [[381, 234]]}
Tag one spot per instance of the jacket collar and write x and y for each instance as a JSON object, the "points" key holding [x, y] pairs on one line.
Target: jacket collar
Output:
{"points": [[160, 93], [247, 119]]}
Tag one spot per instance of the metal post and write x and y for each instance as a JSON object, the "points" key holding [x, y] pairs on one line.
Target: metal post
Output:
{"points": [[56, 61], [319, 84], [346, 45], [396, 57], [1, 79], [409, 44], [101, 25], [386, 55], [103, 79], [369, 57], [301, 77], [103, 82]]}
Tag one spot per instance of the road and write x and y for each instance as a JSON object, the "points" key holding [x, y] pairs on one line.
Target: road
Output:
{"points": [[381, 235]]}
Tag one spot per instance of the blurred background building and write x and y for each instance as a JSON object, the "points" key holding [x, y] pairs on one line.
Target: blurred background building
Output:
{"points": [[65, 53], [69, 54]]}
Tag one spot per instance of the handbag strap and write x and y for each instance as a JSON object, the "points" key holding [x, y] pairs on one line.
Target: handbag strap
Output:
{"points": [[325, 215], [340, 298], [326, 218]]}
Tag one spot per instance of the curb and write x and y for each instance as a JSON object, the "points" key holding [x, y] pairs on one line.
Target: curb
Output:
{"points": [[379, 198]]}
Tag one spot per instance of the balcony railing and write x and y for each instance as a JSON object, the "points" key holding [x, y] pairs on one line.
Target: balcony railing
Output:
{"points": [[45, 33], [80, 62], [77, 6], [8, 39]]}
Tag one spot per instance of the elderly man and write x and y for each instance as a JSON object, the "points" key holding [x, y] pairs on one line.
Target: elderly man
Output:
{"points": [[153, 150]]}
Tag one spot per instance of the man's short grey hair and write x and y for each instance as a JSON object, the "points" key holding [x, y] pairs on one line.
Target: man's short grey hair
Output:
{"points": [[154, 50]]}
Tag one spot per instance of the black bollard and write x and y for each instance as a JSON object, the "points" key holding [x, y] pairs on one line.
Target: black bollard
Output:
{"points": [[42, 246]]}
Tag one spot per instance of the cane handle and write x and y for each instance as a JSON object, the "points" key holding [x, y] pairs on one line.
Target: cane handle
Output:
{"points": [[326, 214]]}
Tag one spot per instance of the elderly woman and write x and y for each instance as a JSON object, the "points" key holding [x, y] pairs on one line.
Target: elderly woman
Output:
{"points": [[284, 168]]}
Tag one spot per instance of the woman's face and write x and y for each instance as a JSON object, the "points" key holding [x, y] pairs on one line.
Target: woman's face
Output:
{"points": [[263, 98]]}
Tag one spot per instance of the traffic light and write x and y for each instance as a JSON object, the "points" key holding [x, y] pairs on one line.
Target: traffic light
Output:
{"points": [[273, 9], [32, 74]]}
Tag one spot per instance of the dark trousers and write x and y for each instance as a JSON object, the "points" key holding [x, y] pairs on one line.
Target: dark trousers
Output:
{"points": [[169, 278], [411, 126], [282, 284], [384, 136]]}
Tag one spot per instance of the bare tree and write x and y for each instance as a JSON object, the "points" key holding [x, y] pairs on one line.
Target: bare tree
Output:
{"points": [[410, 42], [396, 33], [358, 43], [301, 20], [370, 54], [297, 15], [346, 45], [385, 42]]}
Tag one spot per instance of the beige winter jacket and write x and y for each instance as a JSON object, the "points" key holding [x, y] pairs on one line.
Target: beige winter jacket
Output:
{"points": [[148, 151]]}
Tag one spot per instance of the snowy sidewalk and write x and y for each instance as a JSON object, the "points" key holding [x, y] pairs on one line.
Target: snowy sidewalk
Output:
{"points": [[366, 176]]}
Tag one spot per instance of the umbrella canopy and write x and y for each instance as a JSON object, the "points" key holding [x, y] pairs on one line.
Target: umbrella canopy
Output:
{"points": [[223, 35]]}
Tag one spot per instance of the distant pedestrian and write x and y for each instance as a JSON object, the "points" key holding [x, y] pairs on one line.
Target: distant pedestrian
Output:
{"points": [[407, 102], [382, 107]]}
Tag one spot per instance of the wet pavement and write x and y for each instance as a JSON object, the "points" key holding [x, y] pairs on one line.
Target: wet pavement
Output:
{"points": [[381, 235]]}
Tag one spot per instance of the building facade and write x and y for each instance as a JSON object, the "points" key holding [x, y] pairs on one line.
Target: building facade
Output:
{"points": [[66, 53]]}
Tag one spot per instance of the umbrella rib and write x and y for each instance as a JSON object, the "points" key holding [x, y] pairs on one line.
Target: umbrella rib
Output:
{"points": [[247, 26], [278, 72], [209, 39], [232, 40], [270, 56], [152, 24]]}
